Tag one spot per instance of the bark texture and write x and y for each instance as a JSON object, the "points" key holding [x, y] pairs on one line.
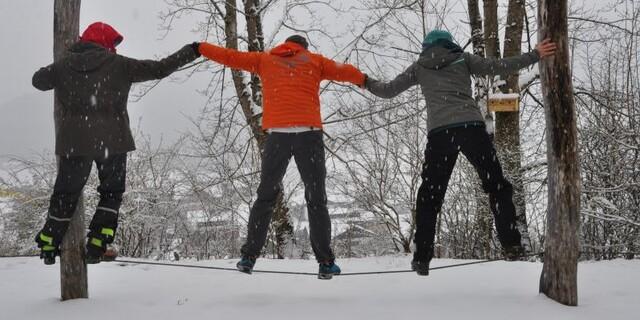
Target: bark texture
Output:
{"points": [[508, 123], [249, 96], [482, 247], [492, 42], [73, 269], [559, 274]]}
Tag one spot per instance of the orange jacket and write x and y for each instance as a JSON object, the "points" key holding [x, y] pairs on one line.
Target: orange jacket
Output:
{"points": [[290, 77]]}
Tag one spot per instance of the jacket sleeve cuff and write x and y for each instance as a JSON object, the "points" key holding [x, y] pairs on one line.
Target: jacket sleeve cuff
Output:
{"points": [[536, 55], [209, 50], [187, 54], [201, 47], [363, 80]]}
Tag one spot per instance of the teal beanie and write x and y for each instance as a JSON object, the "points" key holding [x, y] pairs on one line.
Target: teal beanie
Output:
{"points": [[436, 35]]}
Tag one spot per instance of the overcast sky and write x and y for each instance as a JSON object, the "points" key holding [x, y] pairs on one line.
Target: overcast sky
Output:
{"points": [[26, 28]]}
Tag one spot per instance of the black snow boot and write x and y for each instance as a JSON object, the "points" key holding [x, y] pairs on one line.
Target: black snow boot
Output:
{"points": [[48, 250], [93, 256], [95, 248], [513, 253], [420, 267], [98, 250], [48, 254]]}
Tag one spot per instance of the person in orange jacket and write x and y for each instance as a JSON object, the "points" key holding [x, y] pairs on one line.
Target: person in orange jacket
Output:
{"points": [[291, 77]]}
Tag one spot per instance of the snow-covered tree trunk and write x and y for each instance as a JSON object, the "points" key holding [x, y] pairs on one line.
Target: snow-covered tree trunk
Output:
{"points": [[559, 273], [475, 22], [508, 123], [492, 45], [251, 99], [483, 213], [73, 270], [255, 36], [243, 91]]}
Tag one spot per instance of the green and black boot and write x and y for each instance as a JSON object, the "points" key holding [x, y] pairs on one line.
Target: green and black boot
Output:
{"points": [[48, 251], [95, 248], [98, 249]]}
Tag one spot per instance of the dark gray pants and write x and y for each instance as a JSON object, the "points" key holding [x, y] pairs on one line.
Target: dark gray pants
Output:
{"points": [[307, 148], [73, 173], [441, 154]]}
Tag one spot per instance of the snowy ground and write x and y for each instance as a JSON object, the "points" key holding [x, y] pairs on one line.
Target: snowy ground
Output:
{"points": [[499, 290]]}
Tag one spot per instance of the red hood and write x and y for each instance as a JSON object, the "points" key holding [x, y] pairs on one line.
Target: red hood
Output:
{"points": [[287, 49], [102, 34]]}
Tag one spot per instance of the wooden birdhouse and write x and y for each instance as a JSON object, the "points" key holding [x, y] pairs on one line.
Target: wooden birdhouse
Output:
{"points": [[504, 102]]}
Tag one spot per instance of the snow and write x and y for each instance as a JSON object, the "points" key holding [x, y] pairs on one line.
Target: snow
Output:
{"points": [[497, 290], [504, 96], [527, 77], [5, 206]]}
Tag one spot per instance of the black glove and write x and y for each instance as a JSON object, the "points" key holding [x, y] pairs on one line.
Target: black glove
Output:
{"points": [[196, 48], [366, 79]]}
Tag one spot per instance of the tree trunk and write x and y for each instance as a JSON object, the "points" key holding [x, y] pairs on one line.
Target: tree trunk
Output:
{"points": [[475, 22], [491, 39], [231, 33], [280, 222], [73, 269], [256, 43], [508, 123], [559, 273], [490, 46]]}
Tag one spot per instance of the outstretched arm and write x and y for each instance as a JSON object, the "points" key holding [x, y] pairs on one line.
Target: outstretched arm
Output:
{"points": [[335, 71], [391, 89], [480, 66], [44, 78], [145, 70], [247, 61]]}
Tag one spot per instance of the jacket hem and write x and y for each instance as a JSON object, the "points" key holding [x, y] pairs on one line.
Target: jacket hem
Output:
{"points": [[479, 124]]}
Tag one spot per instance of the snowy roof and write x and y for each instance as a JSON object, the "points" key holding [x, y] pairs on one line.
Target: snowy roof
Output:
{"points": [[504, 96]]}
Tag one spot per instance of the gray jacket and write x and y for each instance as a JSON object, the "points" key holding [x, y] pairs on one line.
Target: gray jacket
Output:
{"points": [[445, 79]]}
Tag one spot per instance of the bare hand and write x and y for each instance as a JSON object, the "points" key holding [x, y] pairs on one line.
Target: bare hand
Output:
{"points": [[546, 48]]}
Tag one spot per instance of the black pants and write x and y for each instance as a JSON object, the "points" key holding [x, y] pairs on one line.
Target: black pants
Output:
{"points": [[441, 154], [307, 148], [73, 173]]}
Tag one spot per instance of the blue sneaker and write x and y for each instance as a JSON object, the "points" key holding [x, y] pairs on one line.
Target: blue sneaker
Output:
{"points": [[246, 264], [327, 270]]}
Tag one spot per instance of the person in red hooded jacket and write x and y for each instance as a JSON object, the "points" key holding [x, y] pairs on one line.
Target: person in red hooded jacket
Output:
{"points": [[291, 77], [92, 84]]}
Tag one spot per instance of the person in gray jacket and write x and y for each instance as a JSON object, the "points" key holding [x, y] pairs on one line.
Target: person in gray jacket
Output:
{"points": [[92, 85], [455, 124]]}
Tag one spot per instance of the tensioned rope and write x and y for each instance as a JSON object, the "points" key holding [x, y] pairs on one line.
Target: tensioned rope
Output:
{"points": [[210, 267], [21, 256], [440, 267], [315, 274], [295, 272]]}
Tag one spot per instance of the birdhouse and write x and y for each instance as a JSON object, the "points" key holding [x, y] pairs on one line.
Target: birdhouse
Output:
{"points": [[504, 102]]}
